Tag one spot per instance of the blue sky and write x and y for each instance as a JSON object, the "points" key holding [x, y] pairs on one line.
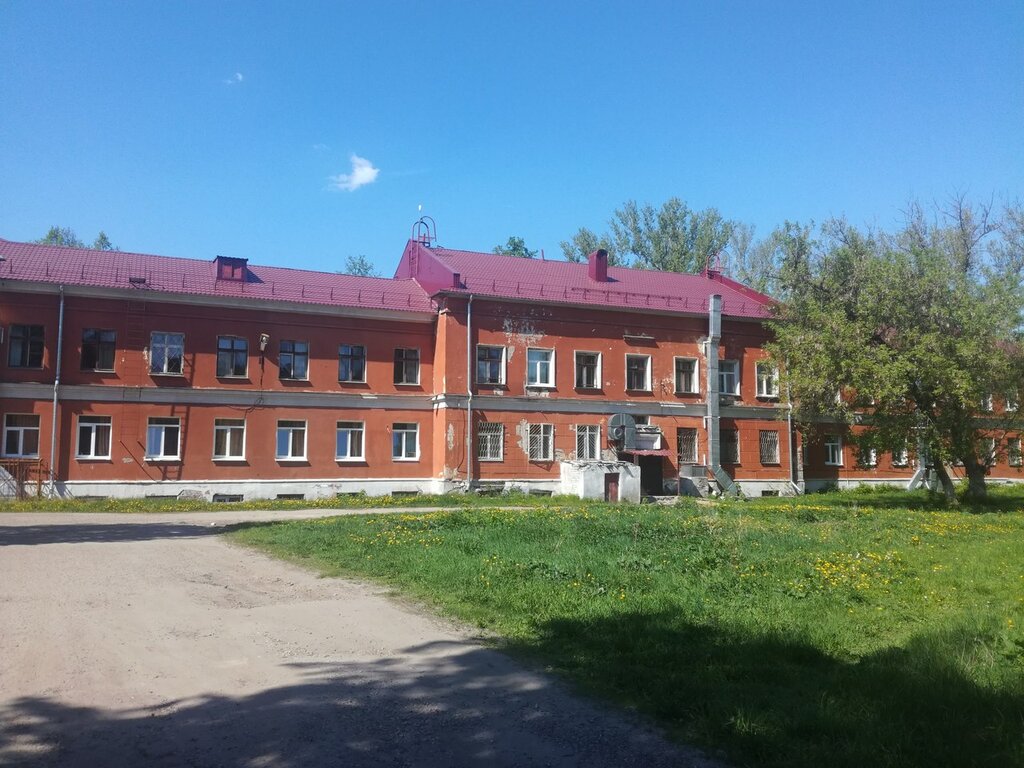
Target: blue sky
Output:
{"points": [[198, 128]]}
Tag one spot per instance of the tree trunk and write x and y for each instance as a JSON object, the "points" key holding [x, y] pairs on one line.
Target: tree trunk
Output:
{"points": [[948, 489], [975, 480]]}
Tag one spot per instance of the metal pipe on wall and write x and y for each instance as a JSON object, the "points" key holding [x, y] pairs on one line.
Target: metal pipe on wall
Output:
{"points": [[469, 391], [56, 389]]}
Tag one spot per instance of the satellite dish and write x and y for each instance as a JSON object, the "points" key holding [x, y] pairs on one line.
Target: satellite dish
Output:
{"points": [[622, 431]]}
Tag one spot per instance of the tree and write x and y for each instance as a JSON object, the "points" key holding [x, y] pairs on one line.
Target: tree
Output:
{"points": [[65, 237], [758, 264], [584, 243], [515, 246], [360, 266], [917, 330], [673, 238]]}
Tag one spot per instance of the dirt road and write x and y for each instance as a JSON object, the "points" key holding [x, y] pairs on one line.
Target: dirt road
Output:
{"points": [[141, 640]]}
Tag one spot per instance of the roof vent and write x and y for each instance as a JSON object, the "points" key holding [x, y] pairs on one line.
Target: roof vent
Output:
{"points": [[231, 268], [597, 265], [137, 280]]}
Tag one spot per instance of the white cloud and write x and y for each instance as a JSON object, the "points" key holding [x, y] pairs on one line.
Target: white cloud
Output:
{"points": [[363, 173], [235, 79]]}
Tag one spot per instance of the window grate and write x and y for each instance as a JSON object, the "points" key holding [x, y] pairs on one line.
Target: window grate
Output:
{"points": [[489, 441], [588, 442], [687, 441], [769, 446]]}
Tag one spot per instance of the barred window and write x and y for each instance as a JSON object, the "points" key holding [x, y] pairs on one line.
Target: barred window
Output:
{"points": [[769, 446], [687, 440], [542, 439], [490, 438], [588, 442], [166, 351], [1013, 452], [730, 446]]}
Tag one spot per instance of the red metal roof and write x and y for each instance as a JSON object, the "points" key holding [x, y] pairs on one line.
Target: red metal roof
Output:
{"points": [[562, 281], [166, 274]]}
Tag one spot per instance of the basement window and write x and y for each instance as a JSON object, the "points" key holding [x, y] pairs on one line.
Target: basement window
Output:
{"points": [[227, 498]]}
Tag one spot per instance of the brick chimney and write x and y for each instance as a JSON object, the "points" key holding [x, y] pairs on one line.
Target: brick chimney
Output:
{"points": [[597, 265]]}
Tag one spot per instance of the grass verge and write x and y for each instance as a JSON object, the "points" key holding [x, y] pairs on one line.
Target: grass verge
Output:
{"points": [[843, 629]]}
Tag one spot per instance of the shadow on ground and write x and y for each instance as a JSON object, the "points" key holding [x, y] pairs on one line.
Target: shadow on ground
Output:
{"points": [[76, 533], [436, 706], [772, 702]]}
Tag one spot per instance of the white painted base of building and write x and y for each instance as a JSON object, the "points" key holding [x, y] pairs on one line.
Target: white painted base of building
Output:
{"points": [[248, 489], [586, 479]]}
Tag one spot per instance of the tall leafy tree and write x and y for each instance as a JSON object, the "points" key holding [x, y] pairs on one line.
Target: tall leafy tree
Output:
{"points": [[360, 266], [62, 236], [673, 238], [919, 330], [585, 242], [515, 246]]}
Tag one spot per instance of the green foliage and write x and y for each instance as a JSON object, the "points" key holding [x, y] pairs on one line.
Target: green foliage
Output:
{"points": [[360, 266], [102, 242], [917, 328], [846, 629], [584, 243], [515, 246], [65, 237]]}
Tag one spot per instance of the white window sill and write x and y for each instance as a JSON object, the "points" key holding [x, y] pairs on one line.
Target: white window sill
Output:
{"points": [[287, 459], [351, 381], [646, 390], [408, 384], [490, 461], [235, 378], [92, 458], [399, 458], [229, 458], [98, 370], [350, 459], [171, 374], [291, 378], [164, 459], [20, 456], [767, 397], [540, 386]]}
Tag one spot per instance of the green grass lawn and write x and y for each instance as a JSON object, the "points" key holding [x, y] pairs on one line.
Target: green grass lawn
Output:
{"points": [[843, 629]]}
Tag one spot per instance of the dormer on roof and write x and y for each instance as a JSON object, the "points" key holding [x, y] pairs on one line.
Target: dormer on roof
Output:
{"points": [[231, 268]]}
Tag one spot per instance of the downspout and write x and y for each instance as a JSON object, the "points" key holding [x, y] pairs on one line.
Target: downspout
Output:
{"points": [[793, 468], [714, 401], [56, 389], [469, 392]]}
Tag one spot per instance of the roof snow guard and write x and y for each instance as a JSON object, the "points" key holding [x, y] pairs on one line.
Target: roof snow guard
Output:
{"points": [[226, 277], [593, 283]]}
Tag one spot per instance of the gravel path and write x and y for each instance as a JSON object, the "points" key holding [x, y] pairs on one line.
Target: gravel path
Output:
{"points": [[148, 640]]}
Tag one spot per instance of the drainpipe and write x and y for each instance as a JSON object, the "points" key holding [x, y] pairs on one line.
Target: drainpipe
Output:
{"points": [[794, 470], [56, 388], [469, 392], [714, 441]]}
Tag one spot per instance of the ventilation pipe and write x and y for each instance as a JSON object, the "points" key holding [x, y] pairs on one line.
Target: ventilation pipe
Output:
{"points": [[714, 401], [56, 392]]}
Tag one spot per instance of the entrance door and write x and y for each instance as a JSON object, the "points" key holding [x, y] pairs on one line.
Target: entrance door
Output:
{"points": [[611, 486], [651, 475]]}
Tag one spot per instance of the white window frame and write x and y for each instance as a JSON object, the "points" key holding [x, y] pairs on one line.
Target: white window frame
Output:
{"points": [[290, 426], [988, 450], [399, 451], [833, 449], [696, 375], [418, 361], [533, 378], [986, 403], [165, 345], [21, 431], [351, 427], [228, 426], [900, 457], [734, 366], [647, 371], [591, 435], [546, 436], [501, 366], [770, 376], [1012, 399], [1014, 457], [575, 370], [490, 441], [867, 458], [162, 423], [770, 461], [92, 423]]}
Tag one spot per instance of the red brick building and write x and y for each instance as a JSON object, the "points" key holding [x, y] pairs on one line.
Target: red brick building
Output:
{"points": [[133, 375]]}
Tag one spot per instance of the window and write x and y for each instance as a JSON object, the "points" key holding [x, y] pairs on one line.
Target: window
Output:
{"points": [[291, 440], [162, 438], [900, 456], [767, 380], [98, 349], [166, 352], [490, 439], [588, 442], [1013, 452], [588, 370], [21, 435], [1012, 400], [407, 366], [490, 365], [988, 450], [540, 367], [730, 446], [638, 372], [93, 437], [405, 444], [686, 376], [26, 348], [834, 451], [232, 356], [729, 377], [229, 438], [293, 360], [686, 439], [349, 441], [352, 363], [986, 403], [542, 442], [867, 457], [769, 446]]}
